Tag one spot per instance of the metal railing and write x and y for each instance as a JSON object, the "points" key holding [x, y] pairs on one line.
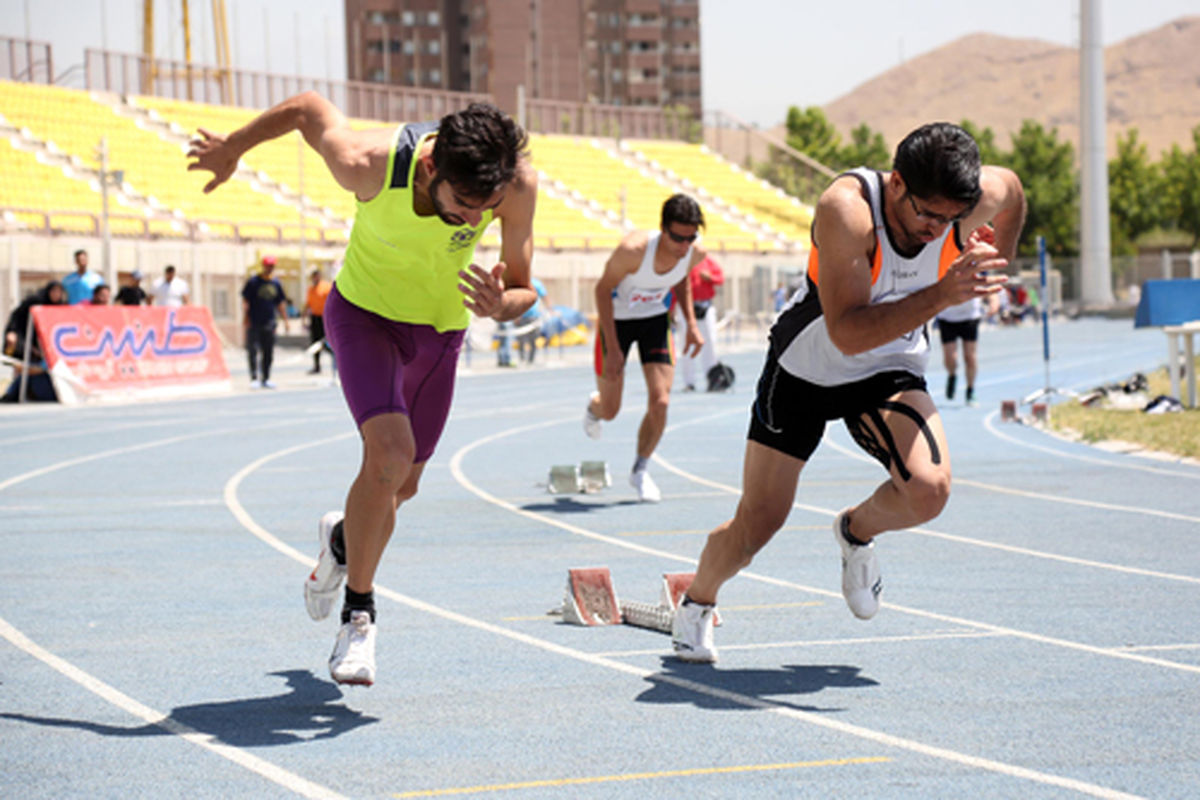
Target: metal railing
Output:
{"points": [[129, 74], [26, 60]]}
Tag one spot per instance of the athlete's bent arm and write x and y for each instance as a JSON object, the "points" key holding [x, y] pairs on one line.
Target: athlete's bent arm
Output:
{"points": [[693, 339], [1003, 205], [516, 242], [624, 261], [845, 231], [356, 159]]}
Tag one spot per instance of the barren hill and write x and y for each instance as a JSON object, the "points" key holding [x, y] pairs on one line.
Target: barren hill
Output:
{"points": [[1152, 83]]}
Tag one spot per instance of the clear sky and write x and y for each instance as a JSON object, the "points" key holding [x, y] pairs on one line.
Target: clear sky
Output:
{"points": [[759, 56]]}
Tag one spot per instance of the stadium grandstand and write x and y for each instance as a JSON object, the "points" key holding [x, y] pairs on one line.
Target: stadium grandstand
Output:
{"points": [[135, 206]]}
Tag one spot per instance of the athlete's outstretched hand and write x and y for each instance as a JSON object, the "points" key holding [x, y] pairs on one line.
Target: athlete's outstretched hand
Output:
{"points": [[212, 153], [483, 289]]}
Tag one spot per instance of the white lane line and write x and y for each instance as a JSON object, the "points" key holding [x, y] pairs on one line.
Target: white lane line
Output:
{"points": [[989, 424], [265, 769], [921, 637], [1083, 562], [455, 467], [134, 448], [868, 734], [259, 766]]}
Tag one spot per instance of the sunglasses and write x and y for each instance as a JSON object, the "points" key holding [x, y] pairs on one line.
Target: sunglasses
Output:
{"points": [[929, 216], [675, 237]]}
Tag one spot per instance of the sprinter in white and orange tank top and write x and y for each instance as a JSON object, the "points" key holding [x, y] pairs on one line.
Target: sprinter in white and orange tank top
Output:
{"points": [[890, 250]]}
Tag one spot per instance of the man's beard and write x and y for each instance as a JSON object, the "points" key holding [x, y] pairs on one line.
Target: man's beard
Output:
{"points": [[446, 217]]}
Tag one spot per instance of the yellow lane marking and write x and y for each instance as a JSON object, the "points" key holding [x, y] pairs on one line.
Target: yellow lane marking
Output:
{"points": [[641, 776]]}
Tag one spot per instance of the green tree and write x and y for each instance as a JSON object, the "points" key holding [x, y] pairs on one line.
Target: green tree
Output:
{"points": [[866, 149], [989, 153], [1046, 167], [1181, 180], [1134, 194], [811, 132]]}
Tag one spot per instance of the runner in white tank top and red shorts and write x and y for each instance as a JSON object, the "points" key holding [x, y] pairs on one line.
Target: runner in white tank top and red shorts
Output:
{"points": [[633, 301]]}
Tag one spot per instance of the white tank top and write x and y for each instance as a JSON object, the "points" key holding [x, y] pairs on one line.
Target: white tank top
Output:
{"points": [[963, 312], [646, 293], [799, 337]]}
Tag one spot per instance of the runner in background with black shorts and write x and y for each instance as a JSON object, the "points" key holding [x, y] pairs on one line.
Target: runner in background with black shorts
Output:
{"points": [[960, 322], [633, 301]]}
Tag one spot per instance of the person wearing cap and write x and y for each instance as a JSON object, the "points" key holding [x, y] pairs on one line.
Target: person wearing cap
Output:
{"points": [[132, 293], [170, 291], [262, 297]]}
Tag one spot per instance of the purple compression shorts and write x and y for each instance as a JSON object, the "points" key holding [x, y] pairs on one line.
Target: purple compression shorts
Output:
{"points": [[393, 367]]}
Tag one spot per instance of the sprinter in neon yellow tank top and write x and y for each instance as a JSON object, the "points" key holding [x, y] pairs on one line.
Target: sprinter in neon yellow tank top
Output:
{"points": [[398, 309]]}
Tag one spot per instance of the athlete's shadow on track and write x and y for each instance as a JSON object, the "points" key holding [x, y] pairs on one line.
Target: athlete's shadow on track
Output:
{"points": [[309, 711], [680, 682], [569, 505]]}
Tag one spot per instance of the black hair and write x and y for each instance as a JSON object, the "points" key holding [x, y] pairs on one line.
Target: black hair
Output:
{"points": [[77, 252], [169, 268], [44, 292], [682, 209], [476, 150], [940, 160]]}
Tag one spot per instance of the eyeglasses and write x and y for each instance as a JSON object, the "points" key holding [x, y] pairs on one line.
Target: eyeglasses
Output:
{"points": [[929, 216], [675, 237]]}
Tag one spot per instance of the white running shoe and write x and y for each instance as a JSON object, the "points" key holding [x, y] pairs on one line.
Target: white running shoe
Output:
{"points": [[255, 383], [861, 583], [591, 423], [322, 585], [647, 489], [353, 657], [268, 384], [692, 633]]}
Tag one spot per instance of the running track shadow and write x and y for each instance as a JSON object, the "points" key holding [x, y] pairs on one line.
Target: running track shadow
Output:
{"points": [[769, 685], [569, 505], [309, 711]]}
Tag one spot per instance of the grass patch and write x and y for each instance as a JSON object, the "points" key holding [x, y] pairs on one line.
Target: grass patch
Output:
{"points": [[1170, 433]]}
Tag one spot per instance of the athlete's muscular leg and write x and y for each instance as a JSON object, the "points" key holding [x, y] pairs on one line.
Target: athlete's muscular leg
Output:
{"points": [[386, 476], [658, 390], [608, 404], [769, 480], [912, 444]]}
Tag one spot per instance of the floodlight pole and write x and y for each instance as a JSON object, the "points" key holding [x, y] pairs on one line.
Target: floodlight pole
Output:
{"points": [[1095, 248]]}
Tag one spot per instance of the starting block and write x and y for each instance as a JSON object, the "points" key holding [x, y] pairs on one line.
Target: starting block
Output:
{"points": [[589, 477], [1008, 410], [564, 479], [590, 598], [594, 475]]}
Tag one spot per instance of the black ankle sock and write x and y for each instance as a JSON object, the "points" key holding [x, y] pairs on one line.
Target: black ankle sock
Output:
{"points": [[337, 543], [358, 602], [846, 533]]}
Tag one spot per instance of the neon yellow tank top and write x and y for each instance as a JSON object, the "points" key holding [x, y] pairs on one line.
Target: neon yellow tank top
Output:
{"points": [[402, 266]]}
